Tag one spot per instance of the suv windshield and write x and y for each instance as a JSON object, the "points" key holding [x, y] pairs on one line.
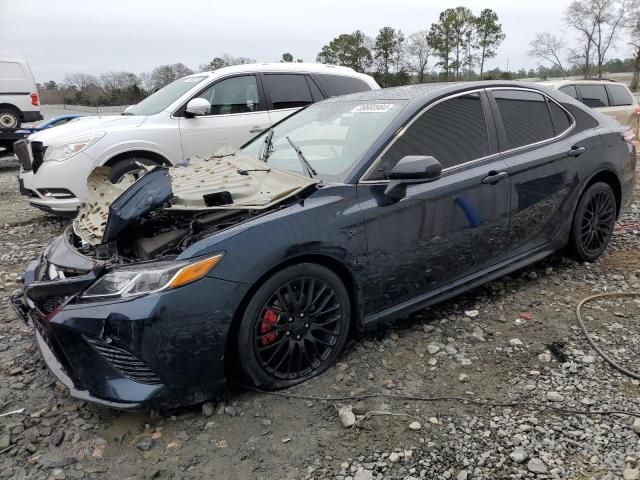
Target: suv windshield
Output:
{"points": [[164, 97], [332, 136]]}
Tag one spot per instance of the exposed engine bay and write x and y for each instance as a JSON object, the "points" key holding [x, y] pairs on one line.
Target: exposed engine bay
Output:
{"points": [[166, 209]]}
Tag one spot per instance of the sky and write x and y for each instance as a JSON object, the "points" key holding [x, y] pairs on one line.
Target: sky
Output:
{"points": [[94, 36]]}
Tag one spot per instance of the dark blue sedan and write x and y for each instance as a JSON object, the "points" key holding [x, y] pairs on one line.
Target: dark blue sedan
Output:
{"points": [[258, 263]]}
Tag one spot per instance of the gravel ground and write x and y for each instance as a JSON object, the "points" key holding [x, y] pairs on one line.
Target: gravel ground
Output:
{"points": [[514, 340]]}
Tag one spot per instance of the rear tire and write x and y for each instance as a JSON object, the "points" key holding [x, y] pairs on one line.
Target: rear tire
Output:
{"points": [[9, 119], [129, 166], [294, 327], [593, 223]]}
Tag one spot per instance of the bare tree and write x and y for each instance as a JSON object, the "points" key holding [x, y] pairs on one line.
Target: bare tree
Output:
{"points": [[547, 47], [598, 22], [419, 51], [633, 25], [80, 80]]}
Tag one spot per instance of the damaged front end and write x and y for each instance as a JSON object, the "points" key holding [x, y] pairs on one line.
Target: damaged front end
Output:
{"points": [[104, 297], [168, 209]]}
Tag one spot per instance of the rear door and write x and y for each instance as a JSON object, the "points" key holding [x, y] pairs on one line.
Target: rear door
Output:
{"points": [[534, 138], [442, 230], [238, 113], [286, 93]]}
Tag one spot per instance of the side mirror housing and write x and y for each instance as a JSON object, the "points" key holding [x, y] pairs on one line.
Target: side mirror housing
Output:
{"points": [[197, 107], [409, 170]]}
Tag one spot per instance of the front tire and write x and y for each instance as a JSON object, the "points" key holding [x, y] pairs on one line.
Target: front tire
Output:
{"points": [[294, 327], [593, 222], [9, 119]]}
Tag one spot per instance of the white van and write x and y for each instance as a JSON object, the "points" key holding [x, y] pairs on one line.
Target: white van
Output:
{"points": [[18, 94], [194, 115]]}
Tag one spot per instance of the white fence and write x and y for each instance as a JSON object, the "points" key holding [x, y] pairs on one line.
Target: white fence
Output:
{"points": [[87, 109]]}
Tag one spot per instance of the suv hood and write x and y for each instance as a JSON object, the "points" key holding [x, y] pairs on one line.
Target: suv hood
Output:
{"points": [[90, 125], [226, 180]]}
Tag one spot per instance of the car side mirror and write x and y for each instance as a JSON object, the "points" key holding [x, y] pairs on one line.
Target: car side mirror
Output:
{"points": [[198, 107], [411, 169]]}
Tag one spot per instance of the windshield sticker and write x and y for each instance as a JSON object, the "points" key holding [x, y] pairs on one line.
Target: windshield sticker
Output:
{"points": [[373, 108]]}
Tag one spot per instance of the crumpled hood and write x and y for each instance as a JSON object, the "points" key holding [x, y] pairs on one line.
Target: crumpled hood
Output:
{"points": [[226, 179], [98, 124]]}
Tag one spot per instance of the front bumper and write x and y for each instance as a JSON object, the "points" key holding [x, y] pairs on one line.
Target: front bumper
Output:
{"points": [[69, 175], [161, 350]]}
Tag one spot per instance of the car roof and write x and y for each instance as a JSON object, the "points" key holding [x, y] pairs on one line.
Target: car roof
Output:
{"points": [[587, 81], [427, 91], [267, 67]]}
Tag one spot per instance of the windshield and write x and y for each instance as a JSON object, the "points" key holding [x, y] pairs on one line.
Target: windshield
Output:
{"points": [[332, 137], [164, 97]]}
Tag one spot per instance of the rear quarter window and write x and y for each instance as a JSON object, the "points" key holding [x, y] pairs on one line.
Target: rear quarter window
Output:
{"points": [[619, 95], [342, 85], [559, 117]]}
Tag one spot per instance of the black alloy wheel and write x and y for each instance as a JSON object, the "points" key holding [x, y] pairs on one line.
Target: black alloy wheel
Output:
{"points": [[593, 222], [295, 326]]}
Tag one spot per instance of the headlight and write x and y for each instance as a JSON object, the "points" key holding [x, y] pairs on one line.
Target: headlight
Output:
{"points": [[148, 278], [70, 147]]}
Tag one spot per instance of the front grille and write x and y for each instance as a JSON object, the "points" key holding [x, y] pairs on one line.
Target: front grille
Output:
{"points": [[22, 151], [50, 304], [124, 362], [37, 150]]}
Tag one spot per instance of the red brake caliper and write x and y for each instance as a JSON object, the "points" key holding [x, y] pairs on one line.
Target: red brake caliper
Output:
{"points": [[269, 319]]}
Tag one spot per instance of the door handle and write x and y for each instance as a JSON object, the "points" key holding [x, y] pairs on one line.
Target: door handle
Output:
{"points": [[256, 129], [576, 151], [494, 177]]}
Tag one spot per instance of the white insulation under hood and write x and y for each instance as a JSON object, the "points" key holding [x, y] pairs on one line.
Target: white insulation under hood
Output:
{"points": [[226, 179]]}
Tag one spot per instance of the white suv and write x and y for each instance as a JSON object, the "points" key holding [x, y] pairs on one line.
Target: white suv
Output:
{"points": [[194, 115]]}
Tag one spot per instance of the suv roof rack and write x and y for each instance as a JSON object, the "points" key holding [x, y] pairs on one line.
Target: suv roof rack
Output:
{"points": [[599, 79]]}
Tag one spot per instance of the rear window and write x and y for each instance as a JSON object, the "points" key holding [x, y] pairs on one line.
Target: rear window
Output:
{"points": [[619, 95], [287, 91], [525, 117], [340, 85], [593, 96]]}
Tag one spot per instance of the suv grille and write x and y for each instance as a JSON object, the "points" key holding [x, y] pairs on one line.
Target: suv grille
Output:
{"points": [[22, 151], [124, 362]]}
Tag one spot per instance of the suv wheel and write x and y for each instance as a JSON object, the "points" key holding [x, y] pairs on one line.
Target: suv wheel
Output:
{"points": [[9, 119], [129, 167]]}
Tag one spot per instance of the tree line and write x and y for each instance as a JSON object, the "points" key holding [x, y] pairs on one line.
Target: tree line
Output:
{"points": [[459, 43], [594, 27], [455, 47]]}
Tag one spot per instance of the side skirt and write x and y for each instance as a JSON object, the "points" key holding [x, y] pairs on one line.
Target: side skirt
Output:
{"points": [[457, 287]]}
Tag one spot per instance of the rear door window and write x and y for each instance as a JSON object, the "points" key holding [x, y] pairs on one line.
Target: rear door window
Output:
{"points": [[453, 131], [525, 117], [593, 96], [619, 95], [287, 90], [342, 85], [569, 90]]}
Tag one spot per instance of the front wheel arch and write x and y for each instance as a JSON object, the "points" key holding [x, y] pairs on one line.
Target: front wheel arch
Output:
{"points": [[147, 154]]}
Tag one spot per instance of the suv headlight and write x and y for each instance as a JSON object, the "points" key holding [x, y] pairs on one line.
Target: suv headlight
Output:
{"points": [[66, 149], [152, 277]]}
